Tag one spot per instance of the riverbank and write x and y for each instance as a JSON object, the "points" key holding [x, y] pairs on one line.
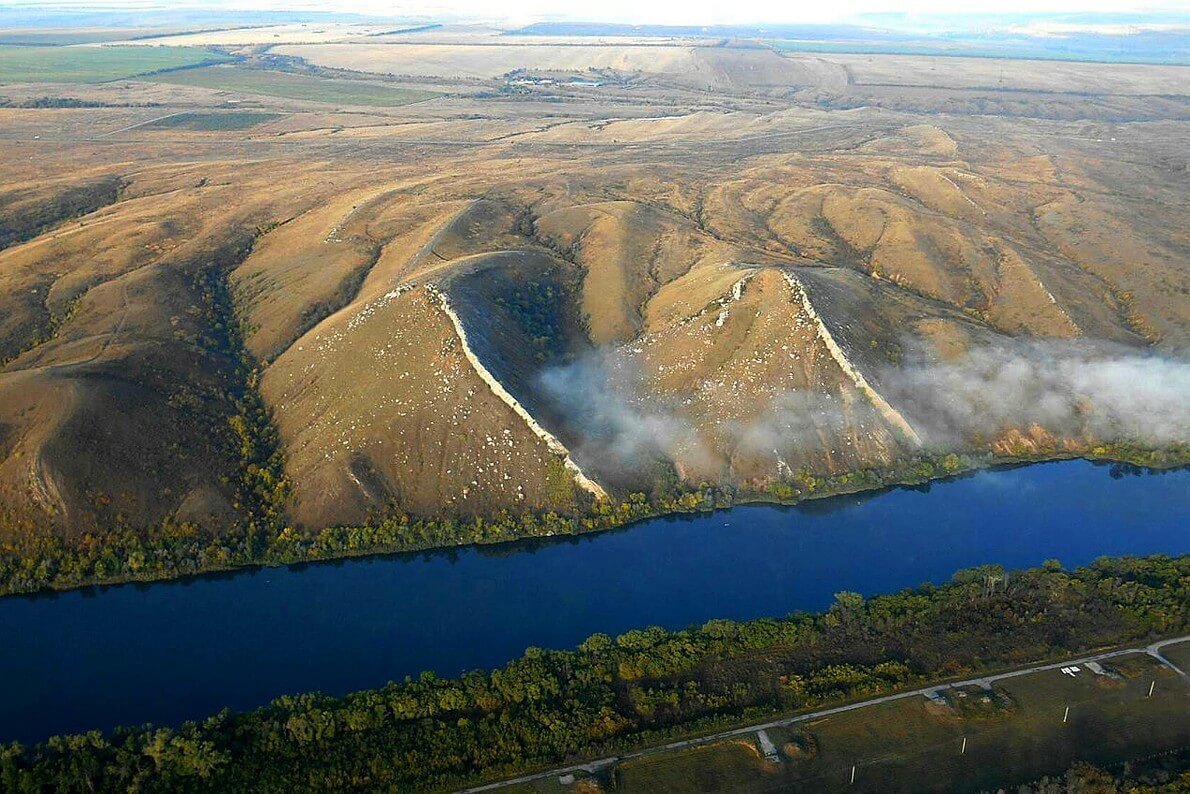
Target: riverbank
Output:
{"points": [[175, 551]]}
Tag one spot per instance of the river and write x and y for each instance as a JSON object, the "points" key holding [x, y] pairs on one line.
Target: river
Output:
{"points": [[170, 651]]}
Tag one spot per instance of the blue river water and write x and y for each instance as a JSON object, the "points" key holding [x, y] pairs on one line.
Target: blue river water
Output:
{"points": [[166, 652]]}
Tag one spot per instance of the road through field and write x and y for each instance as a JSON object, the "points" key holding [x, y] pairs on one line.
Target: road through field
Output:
{"points": [[1153, 650], [141, 124]]}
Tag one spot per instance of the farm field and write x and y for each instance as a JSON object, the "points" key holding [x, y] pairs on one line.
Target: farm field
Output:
{"points": [[1023, 75], [297, 86], [206, 122], [965, 49], [490, 60], [68, 36], [915, 745], [264, 34], [37, 64]]}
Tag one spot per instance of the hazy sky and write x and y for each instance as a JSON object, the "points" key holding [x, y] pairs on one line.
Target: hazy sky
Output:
{"points": [[654, 11]]}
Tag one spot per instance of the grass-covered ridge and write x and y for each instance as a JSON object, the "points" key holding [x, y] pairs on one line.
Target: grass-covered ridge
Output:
{"points": [[612, 694]]}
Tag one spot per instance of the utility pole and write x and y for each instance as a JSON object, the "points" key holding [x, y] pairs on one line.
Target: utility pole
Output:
{"points": [[1151, 686], [1066, 715], [853, 773], [964, 750]]}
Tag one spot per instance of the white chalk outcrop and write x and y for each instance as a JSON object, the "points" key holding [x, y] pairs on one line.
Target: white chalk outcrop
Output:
{"points": [[890, 414], [552, 441]]}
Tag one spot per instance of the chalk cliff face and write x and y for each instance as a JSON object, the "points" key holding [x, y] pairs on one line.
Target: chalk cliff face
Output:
{"points": [[559, 313]]}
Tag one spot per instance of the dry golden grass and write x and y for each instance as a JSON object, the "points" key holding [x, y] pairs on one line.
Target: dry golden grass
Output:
{"points": [[378, 405], [627, 250]]}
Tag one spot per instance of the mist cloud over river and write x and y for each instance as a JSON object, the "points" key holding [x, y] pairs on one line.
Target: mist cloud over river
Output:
{"points": [[1108, 392], [1078, 389]]}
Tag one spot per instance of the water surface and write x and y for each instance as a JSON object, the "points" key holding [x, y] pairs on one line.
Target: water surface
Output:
{"points": [[170, 651]]}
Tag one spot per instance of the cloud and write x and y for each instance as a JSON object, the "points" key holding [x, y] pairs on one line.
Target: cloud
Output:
{"points": [[623, 426], [797, 419], [626, 428], [1071, 388], [1077, 389]]}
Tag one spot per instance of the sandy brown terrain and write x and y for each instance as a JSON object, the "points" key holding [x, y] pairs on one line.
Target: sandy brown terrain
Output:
{"points": [[525, 295]]}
